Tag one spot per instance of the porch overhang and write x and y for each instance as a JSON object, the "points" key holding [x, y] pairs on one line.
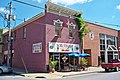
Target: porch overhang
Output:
{"points": [[112, 48], [51, 7]]}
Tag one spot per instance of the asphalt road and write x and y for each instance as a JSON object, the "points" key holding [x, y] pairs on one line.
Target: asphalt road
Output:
{"points": [[16, 77], [91, 76], [95, 76]]}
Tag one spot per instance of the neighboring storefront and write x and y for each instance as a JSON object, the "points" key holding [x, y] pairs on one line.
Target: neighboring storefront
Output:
{"points": [[101, 43]]}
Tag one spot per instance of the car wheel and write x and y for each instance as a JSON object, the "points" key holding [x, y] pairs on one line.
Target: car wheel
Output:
{"points": [[117, 69], [106, 70], [1, 71]]}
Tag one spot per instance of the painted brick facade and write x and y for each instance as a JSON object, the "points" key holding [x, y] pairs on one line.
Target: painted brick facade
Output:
{"points": [[40, 30]]}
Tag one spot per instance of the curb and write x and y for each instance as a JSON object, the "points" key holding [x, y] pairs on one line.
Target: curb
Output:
{"points": [[81, 73], [53, 76]]}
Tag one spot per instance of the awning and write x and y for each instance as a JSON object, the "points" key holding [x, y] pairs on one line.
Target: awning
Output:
{"points": [[84, 55], [74, 54], [112, 48]]}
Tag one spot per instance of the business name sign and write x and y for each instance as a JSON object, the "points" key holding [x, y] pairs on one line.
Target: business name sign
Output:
{"points": [[63, 47], [37, 48]]}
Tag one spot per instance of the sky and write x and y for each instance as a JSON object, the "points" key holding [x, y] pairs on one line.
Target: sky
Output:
{"points": [[103, 12]]}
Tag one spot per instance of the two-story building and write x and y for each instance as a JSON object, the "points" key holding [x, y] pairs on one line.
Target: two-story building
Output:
{"points": [[47, 35], [44, 36]]}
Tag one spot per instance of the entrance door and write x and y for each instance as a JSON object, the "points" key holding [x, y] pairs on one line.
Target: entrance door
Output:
{"points": [[110, 56], [56, 57], [88, 51]]}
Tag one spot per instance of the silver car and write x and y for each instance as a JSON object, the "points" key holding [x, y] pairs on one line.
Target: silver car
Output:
{"points": [[5, 69]]}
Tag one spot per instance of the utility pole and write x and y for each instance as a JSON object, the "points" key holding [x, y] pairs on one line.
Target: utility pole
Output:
{"points": [[9, 17]]}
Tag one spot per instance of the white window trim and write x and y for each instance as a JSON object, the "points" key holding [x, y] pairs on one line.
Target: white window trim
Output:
{"points": [[71, 24], [58, 21]]}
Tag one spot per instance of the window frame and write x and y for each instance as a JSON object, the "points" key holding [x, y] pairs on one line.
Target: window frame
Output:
{"points": [[58, 28], [24, 32], [71, 31]]}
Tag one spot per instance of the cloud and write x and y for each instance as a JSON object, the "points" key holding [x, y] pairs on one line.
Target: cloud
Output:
{"points": [[71, 2], [118, 7], [39, 1], [3, 10], [113, 16]]}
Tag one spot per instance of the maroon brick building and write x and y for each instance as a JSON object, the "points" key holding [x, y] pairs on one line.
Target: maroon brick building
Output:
{"points": [[43, 36], [47, 35]]}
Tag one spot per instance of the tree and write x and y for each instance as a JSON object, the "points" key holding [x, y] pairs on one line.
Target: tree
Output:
{"points": [[82, 28]]}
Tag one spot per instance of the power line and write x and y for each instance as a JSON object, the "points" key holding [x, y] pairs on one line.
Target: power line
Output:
{"points": [[29, 4], [74, 16], [2, 16], [102, 23]]}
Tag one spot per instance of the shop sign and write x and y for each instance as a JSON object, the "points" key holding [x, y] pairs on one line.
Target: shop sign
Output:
{"points": [[37, 48], [63, 47]]}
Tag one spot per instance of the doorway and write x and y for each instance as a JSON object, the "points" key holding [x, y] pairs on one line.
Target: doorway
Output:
{"points": [[62, 60]]}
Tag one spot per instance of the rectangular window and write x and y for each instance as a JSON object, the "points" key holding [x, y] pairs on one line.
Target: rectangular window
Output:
{"points": [[24, 32], [14, 36], [57, 29], [102, 36], [71, 31]]}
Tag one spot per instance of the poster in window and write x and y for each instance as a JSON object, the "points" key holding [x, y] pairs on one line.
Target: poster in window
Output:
{"points": [[37, 48]]}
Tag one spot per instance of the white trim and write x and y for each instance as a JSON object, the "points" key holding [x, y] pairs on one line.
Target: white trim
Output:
{"points": [[58, 21], [56, 8], [71, 24]]}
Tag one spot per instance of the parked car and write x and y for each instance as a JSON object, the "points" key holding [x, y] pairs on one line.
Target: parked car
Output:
{"points": [[5, 69], [113, 65]]}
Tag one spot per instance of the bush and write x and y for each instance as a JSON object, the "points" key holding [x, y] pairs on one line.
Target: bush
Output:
{"points": [[84, 62], [53, 63]]}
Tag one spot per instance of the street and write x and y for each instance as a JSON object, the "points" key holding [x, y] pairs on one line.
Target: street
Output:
{"points": [[91, 76], [95, 76], [16, 77]]}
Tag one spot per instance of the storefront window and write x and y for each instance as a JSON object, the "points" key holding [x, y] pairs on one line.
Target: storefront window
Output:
{"points": [[110, 40], [102, 42], [102, 47], [102, 54], [102, 36]]}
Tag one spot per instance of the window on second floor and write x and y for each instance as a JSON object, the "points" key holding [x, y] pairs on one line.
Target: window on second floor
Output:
{"points": [[58, 26], [24, 32], [71, 27], [14, 35]]}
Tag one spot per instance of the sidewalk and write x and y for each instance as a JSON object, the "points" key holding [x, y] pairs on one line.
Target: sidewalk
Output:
{"points": [[57, 74]]}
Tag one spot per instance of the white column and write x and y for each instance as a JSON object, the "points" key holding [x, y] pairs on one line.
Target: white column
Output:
{"points": [[113, 55], [106, 51]]}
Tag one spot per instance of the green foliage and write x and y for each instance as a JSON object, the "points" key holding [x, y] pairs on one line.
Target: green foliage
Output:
{"points": [[84, 61], [82, 27], [53, 63], [1, 31]]}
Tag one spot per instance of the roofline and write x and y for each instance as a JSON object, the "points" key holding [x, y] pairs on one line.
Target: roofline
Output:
{"points": [[52, 6], [29, 21], [101, 25]]}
